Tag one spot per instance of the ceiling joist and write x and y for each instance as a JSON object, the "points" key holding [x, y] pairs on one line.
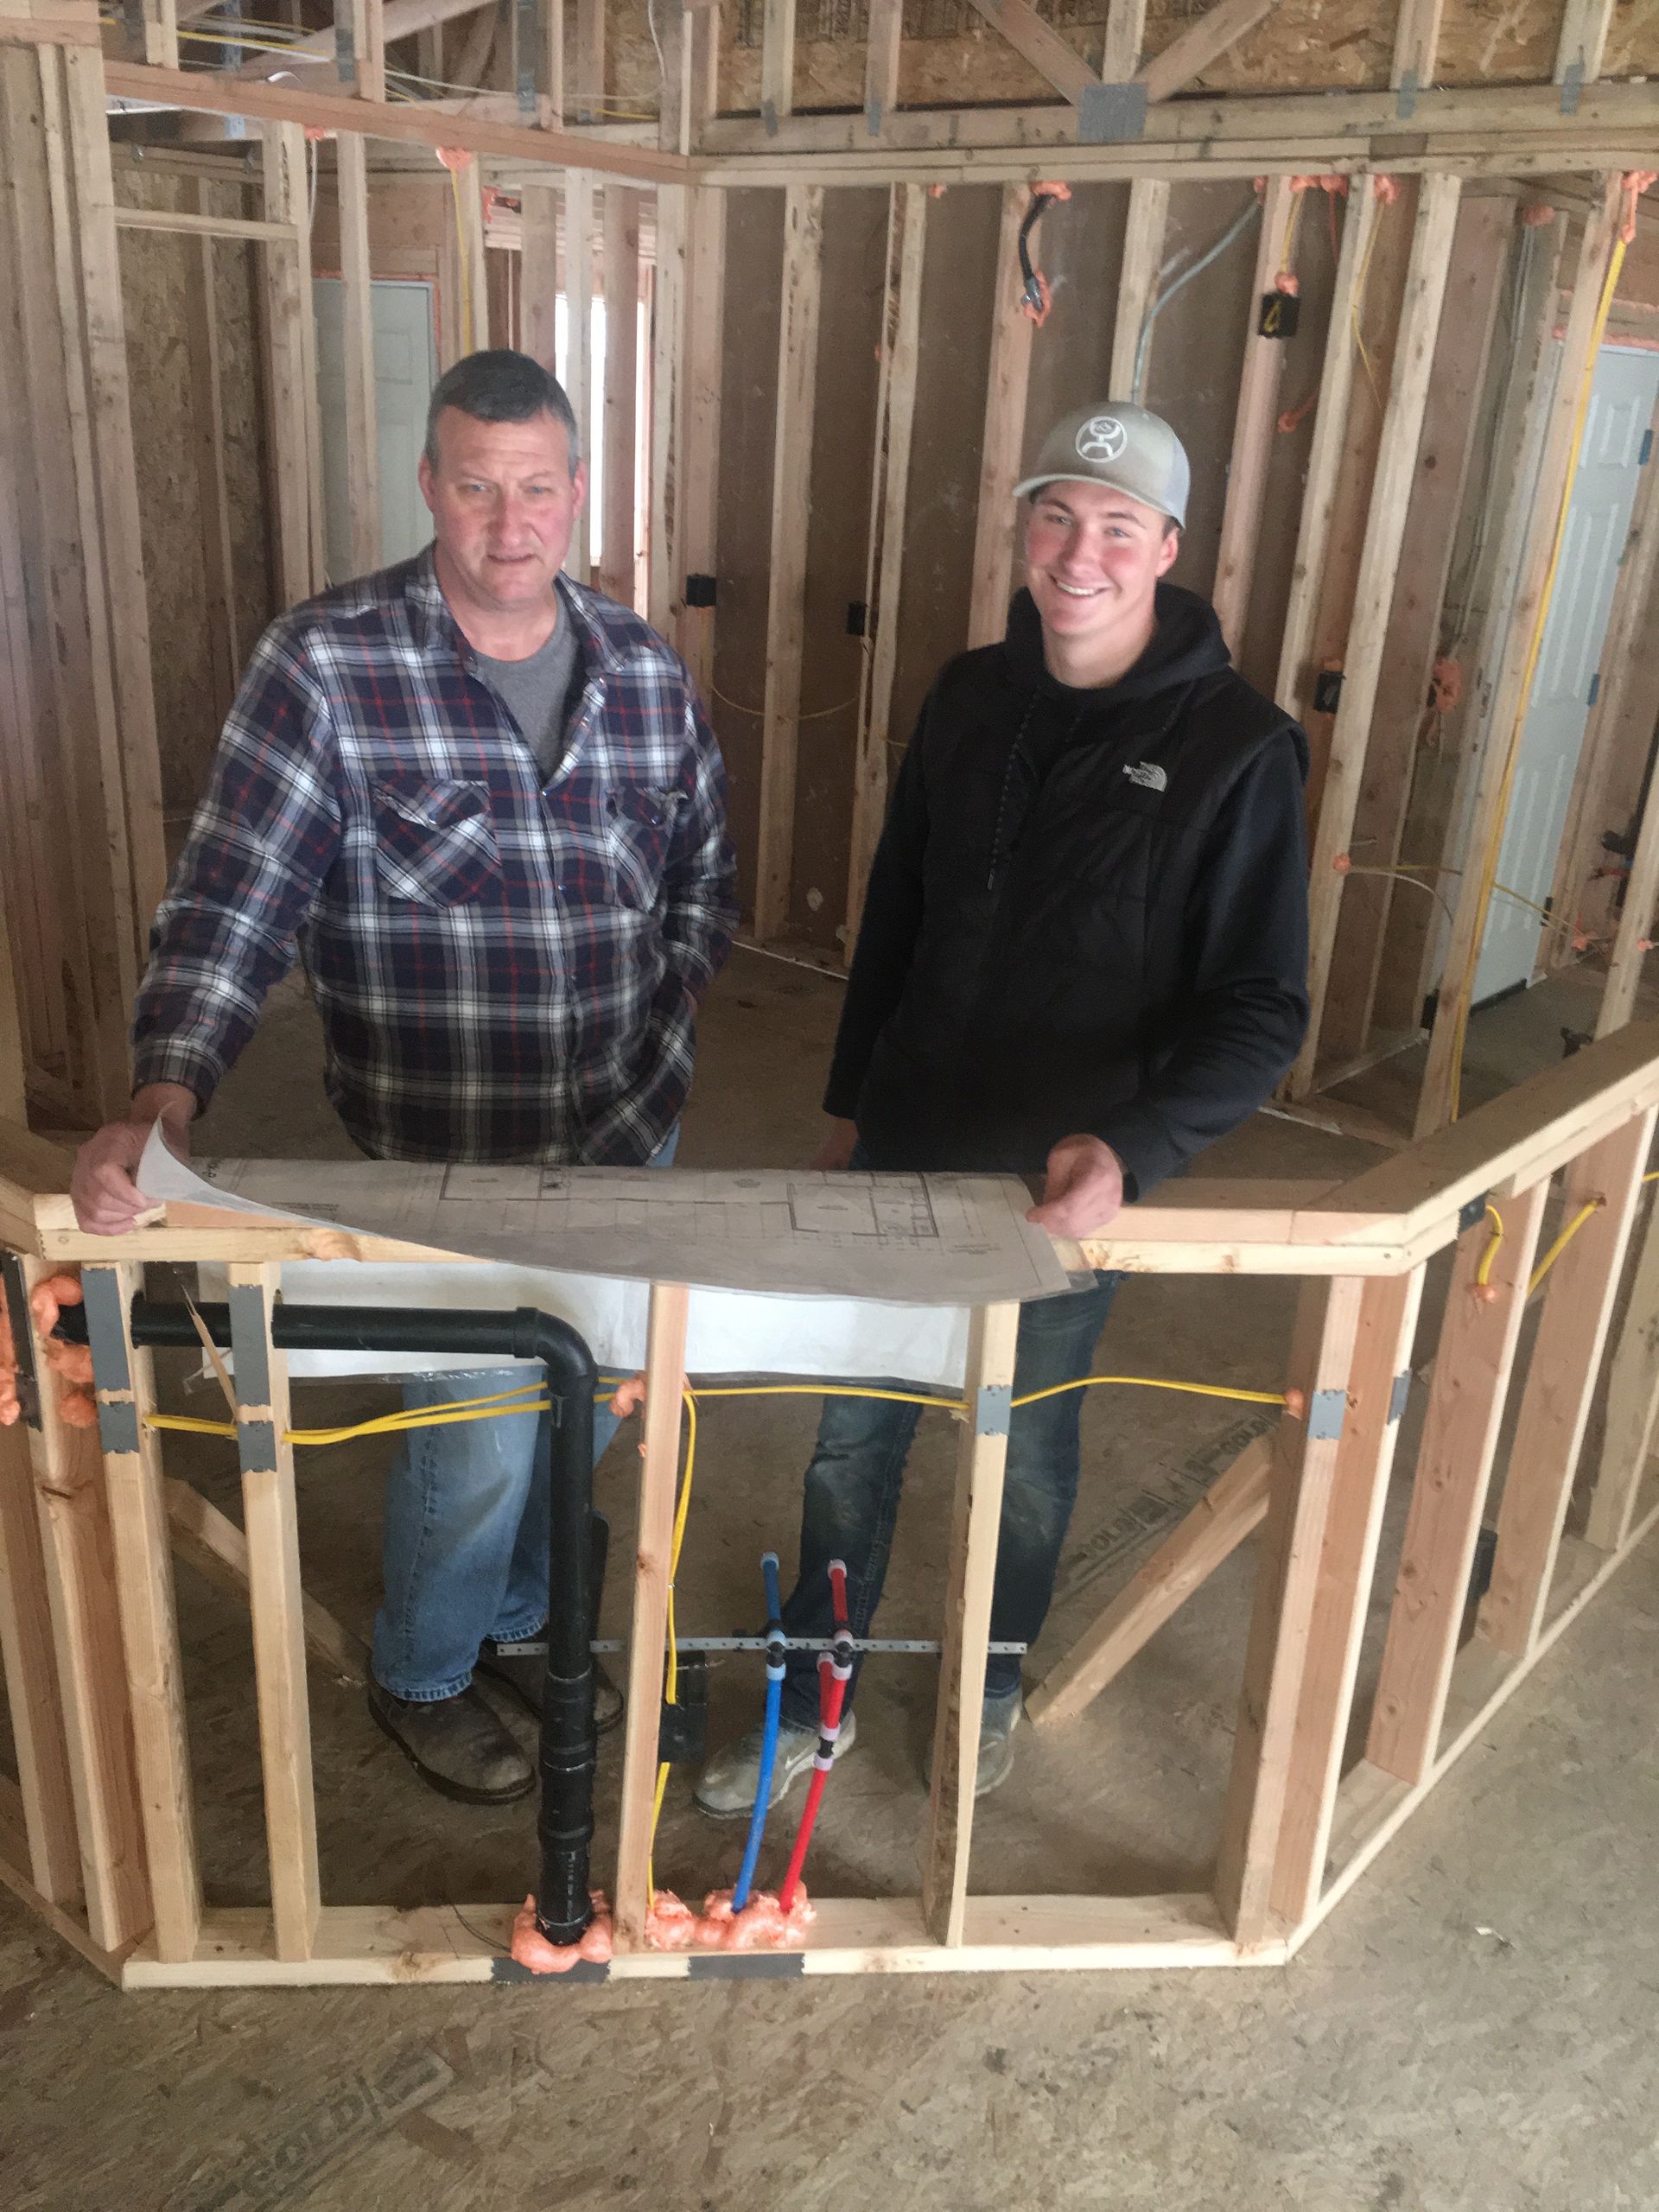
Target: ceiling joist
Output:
{"points": [[411, 120], [401, 19]]}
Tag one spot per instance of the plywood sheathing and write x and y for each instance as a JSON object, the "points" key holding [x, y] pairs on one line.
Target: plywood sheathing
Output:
{"points": [[1078, 246], [1435, 827], [1193, 372], [1313, 259], [855, 242], [748, 408], [411, 235], [1379, 318], [158, 274], [1197, 356], [951, 384], [1398, 721], [79, 739], [1336, 45]]}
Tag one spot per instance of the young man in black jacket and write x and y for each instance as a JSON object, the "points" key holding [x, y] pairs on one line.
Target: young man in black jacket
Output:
{"points": [[1081, 954]]}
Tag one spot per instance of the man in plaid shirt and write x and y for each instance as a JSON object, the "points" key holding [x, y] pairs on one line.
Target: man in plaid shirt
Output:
{"points": [[485, 806]]}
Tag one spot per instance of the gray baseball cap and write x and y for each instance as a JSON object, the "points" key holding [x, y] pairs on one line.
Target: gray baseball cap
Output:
{"points": [[1116, 442]]}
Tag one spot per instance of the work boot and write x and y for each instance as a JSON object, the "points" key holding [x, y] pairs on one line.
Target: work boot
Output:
{"points": [[456, 1744], [732, 1777], [998, 1719], [524, 1674]]}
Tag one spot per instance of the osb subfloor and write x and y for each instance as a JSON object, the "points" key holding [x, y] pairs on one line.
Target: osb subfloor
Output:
{"points": [[1471, 2030]]}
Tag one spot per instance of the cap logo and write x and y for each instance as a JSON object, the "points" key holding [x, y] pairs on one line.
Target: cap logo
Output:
{"points": [[1103, 437]]}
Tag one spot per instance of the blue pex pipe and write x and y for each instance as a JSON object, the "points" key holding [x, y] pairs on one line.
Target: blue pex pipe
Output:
{"points": [[776, 1652]]}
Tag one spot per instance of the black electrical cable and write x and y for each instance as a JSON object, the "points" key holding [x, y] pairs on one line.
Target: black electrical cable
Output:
{"points": [[1030, 291]]}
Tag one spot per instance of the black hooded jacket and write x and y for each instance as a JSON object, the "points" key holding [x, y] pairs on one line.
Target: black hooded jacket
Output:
{"points": [[1088, 912]]}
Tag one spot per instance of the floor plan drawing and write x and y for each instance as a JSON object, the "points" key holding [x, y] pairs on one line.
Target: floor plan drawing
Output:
{"points": [[932, 1239]]}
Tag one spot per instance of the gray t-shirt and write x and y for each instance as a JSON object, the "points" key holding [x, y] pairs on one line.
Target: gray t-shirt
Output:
{"points": [[537, 690]]}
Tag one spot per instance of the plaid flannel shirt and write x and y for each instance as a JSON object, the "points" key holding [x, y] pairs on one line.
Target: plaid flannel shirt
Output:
{"points": [[507, 968]]}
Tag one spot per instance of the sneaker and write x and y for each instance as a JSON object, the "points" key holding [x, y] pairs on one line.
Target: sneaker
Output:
{"points": [[998, 1717], [456, 1745], [731, 1778], [524, 1673]]}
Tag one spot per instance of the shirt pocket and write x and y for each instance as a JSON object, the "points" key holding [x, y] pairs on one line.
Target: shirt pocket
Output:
{"points": [[1112, 857], [638, 827], [434, 840]]}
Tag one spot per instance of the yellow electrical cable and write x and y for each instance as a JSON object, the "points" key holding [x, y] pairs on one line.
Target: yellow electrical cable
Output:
{"points": [[509, 1401], [1407, 875], [672, 1678], [439, 1416], [1495, 834], [1561, 1243], [287, 39], [1357, 305], [516, 1401], [1484, 1271], [1409, 871], [1150, 1383], [442, 1415], [818, 1390], [254, 45], [1270, 319], [817, 715], [1482, 1274]]}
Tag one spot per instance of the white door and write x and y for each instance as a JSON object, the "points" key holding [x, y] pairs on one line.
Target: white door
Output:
{"points": [[596, 435], [405, 370], [1599, 517]]}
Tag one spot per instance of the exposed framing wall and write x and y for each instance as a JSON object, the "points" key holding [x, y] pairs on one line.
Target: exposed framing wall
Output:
{"points": [[773, 641], [79, 746], [106, 1849], [195, 367]]}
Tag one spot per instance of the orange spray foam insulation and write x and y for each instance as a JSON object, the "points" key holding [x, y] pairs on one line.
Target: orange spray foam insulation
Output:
{"points": [[766, 1922], [1035, 295], [71, 1363], [530, 1947], [670, 1925]]}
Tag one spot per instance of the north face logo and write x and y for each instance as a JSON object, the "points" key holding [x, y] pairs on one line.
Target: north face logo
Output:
{"points": [[1148, 775]]}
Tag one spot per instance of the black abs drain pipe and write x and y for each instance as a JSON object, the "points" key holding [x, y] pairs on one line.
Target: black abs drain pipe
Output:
{"points": [[564, 1460]]}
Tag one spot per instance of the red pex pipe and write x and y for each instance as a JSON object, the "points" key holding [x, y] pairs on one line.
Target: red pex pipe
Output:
{"points": [[835, 1672]]}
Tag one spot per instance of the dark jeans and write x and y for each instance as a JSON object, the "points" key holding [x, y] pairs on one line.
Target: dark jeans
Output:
{"points": [[858, 1470]]}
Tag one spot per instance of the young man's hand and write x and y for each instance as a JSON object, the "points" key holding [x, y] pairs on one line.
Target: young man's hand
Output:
{"points": [[836, 1150], [107, 1200], [1082, 1189]]}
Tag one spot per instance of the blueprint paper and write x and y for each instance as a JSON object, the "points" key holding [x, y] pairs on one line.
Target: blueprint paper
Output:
{"points": [[899, 1238], [731, 1332]]}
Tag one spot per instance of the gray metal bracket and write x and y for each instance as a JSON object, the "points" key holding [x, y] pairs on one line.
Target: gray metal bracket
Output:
{"points": [[1108, 115], [992, 1409], [256, 1439], [117, 1423], [1325, 1413]]}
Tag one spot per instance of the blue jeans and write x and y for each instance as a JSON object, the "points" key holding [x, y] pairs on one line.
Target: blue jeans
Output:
{"points": [[466, 1541], [857, 1472]]}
